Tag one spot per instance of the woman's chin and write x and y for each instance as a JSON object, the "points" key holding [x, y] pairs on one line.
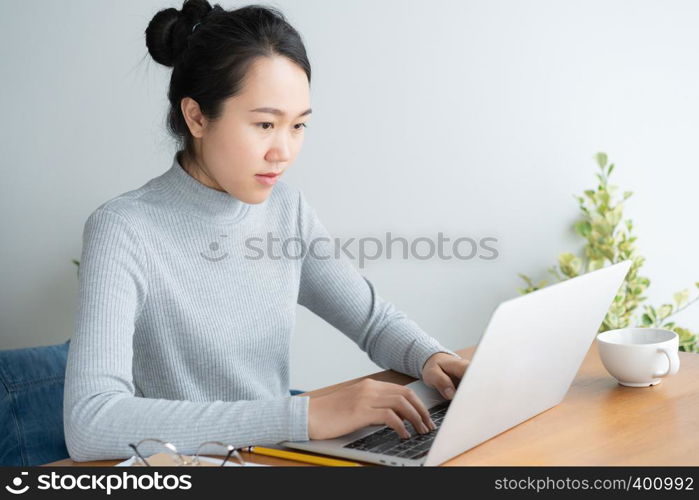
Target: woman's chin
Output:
{"points": [[256, 196]]}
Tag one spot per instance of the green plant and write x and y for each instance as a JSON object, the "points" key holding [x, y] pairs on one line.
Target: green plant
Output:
{"points": [[609, 238]]}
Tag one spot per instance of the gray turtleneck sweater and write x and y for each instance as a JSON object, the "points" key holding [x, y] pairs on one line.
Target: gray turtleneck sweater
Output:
{"points": [[186, 311]]}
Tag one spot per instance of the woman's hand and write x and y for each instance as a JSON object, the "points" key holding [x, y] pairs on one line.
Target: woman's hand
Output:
{"points": [[367, 402], [443, 372]]}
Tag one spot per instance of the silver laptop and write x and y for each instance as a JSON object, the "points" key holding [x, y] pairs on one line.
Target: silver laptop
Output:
{"points": [[524, 364]]}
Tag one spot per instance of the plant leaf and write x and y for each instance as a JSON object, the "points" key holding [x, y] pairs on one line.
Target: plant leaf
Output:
{"points": [[596, 264], [681, 297], [601, 159], [583, 228], [525, 278], [650, 312], [664, 311]]}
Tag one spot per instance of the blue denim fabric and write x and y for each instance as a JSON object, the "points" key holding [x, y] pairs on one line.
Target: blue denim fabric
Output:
{"points": [[31, 405]]}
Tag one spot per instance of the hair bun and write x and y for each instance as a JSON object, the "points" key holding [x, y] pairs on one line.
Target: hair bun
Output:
{"points": [[167, 32]]}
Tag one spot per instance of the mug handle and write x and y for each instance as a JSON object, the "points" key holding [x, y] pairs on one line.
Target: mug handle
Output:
{"points": [[674, 360]]}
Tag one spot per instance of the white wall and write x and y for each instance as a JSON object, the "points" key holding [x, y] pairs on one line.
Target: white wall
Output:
{"points": [[474, 118]]}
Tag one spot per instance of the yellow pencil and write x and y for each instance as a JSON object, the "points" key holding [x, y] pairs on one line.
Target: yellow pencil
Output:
{"points": [[299, 457]]}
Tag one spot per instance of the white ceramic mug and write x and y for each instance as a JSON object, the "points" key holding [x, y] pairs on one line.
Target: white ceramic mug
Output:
{"points": [[639, 357]]}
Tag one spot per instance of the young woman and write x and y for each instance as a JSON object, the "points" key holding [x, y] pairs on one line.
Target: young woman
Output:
{"points": [[185, 318]]}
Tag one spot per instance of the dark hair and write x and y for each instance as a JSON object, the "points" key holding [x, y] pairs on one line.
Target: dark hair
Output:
{"points": [[211, 61]]}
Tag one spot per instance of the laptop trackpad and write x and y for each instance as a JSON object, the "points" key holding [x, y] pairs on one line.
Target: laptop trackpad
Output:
{"points": [[429, 396]]}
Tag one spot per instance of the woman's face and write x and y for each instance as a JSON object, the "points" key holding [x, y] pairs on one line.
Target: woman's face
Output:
{"points": [[243, 143]]}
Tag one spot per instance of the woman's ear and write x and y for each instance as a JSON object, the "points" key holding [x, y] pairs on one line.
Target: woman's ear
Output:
{"points": [[196, 121]]}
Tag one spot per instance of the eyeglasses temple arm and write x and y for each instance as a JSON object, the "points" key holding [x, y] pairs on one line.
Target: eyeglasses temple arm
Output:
{"points": [[139, 455]]}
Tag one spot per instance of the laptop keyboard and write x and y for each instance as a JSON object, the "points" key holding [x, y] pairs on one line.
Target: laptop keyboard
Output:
{"points": [[387, 441]]}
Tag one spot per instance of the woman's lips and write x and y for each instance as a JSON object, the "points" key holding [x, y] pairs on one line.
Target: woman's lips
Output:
{"points": [[267, 179]]}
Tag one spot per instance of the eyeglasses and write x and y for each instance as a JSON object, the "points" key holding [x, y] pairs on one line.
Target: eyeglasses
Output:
{"points": [[170, 455]]}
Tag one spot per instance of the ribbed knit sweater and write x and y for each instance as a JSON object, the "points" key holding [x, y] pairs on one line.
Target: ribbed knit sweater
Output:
{"points": [[186, 313]]}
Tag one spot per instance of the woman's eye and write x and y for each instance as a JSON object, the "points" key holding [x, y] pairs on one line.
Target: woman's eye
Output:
{"points": [[296, 127]]}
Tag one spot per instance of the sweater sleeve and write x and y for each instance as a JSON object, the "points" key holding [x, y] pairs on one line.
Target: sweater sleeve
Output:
{"points": [[102, 415], [332, 288]]}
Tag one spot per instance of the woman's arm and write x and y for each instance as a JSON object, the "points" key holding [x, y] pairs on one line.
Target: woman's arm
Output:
{"points": [[334, 290], [101, 413]]}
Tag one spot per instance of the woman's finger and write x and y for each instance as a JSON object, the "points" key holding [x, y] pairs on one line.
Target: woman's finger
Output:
{"points": [[405, 409], [443, 383], [386, 416], [455, 367], [421, 408], [415, 401]]}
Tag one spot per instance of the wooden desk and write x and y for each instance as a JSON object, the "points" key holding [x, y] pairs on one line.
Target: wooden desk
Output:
{"points": [[599, 423]]}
